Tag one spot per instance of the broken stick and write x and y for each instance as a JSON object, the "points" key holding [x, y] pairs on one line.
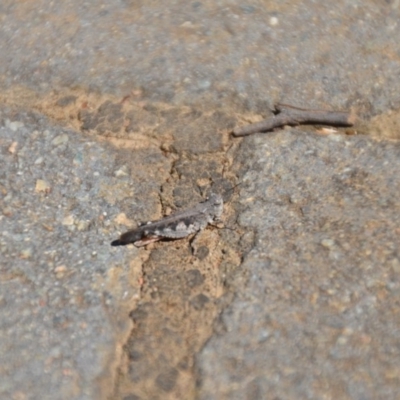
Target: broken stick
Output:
{"points": [[290, 115]]}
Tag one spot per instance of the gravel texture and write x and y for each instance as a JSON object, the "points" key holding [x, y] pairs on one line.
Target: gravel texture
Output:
{"points": [[117, 112], [315, 309], [338, 54], [63, 289]]}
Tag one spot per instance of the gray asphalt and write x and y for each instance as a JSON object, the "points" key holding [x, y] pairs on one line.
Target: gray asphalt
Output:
{"points": [[311, 310]]}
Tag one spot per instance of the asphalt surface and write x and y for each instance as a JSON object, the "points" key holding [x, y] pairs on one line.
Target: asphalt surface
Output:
{"points": [[113, 113]]}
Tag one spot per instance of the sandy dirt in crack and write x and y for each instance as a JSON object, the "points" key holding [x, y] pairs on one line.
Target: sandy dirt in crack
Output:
{"points": [[185, 284]]}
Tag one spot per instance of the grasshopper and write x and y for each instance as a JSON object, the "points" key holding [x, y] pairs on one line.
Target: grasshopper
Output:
{"points": [[177, 225]]}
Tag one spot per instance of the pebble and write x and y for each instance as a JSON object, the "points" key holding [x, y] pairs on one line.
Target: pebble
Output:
{"points": [[14, 125], [42, 186], [13, 147], [328, 243], [68, 221], [60, 139], [273, 21], [25, 254]]}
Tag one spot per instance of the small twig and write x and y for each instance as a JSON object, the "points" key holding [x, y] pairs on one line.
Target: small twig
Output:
{"points": [[290, 115]]}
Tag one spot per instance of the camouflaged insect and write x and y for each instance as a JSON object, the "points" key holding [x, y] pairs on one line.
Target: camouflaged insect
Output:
{"points": [[175, 226]]}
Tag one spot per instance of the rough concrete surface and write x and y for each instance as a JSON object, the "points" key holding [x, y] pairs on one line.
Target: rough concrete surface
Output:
{"points": [[316, 308], [113, 113], [61, 285]]}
